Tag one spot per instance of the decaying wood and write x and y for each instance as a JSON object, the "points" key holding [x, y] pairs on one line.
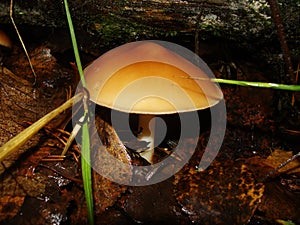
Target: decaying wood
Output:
{"points": [[132, 19]]}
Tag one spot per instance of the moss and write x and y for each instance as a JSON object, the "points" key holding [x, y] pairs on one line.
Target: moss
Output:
{"points": [[114, 28], [117, 21]]}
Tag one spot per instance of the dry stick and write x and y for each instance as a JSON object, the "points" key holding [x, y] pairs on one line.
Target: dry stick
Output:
{"points": [[282, 165], [20, 38], [281, 36], [296, 81], [197, 31], [14, 143]]}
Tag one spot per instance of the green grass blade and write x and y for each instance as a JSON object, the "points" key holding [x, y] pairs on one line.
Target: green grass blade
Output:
{"points": [[74, 43], [285, 87], [87, 171], [85, 148], [283, 222]]}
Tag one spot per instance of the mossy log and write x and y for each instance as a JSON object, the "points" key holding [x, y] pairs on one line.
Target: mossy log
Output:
{"points": [[111, 20]]}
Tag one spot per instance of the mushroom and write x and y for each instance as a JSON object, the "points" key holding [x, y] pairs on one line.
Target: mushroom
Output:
{"points": [[149, 79], [5, 44], [4, 40]]}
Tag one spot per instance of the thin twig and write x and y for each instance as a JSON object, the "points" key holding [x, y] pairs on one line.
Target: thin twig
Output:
{"points": [[197, 31], [281, 165], [296, 81], [281, 36], [20, 38]]}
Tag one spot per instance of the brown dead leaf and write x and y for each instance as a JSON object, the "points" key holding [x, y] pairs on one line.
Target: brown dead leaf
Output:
{"points": [[221, 194], [9, 206], [278, 157], [106, 192], [22, 103]]}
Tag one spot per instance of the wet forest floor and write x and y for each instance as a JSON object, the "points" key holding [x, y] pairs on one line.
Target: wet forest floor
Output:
{"points": [[262, 132]]}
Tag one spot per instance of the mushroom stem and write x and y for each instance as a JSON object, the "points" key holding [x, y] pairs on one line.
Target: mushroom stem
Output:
{"points": [[147, 126]]}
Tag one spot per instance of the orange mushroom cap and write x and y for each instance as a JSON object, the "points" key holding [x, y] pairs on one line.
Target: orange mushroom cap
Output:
{"points": [[146, 78], [4, 40]]}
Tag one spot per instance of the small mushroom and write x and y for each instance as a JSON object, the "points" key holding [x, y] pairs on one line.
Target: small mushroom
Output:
{"points": [[5, 44], [148, 79], [4, 40]]}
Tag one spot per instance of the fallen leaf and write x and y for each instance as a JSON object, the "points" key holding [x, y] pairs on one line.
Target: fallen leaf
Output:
{"points": [[278, 157], [221, 194]]}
